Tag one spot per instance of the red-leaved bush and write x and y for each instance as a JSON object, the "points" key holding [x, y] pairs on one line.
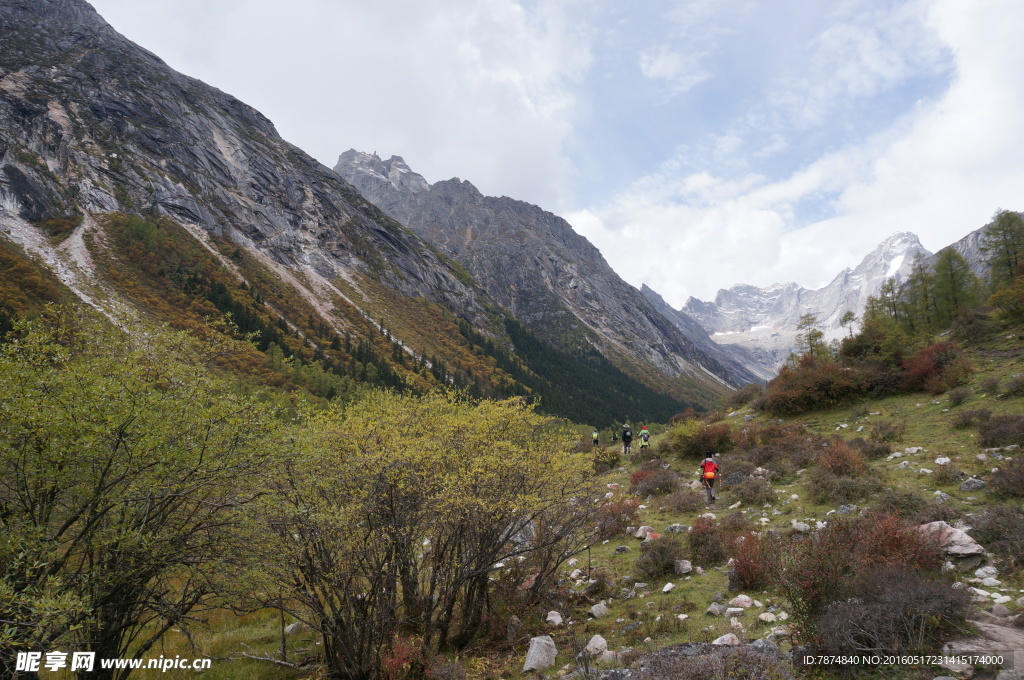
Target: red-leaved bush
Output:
{"points": [[615, 515], [935, 369], [821, 568], [813, 384], [756, 561]]}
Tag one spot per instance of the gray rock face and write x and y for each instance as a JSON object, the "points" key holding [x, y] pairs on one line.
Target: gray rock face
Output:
{"points": [[91, 122], [533, 263]]}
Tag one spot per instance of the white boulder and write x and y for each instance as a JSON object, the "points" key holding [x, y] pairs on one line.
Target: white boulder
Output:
{"points": [[541, 654]]}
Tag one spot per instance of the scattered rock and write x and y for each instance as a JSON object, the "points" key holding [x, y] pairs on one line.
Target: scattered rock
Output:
{"points": [[846, 509], [295, 628], [715, 609], [904, 465], [682, 567], [942, 497], [727, 639], [1000, 610], [735, 611], [622, 549], [767, 617], [682, 617], [800, 527], [972, 484], [669, 587], [676, 529], [951, 541], [643, 531], [735, 623], [599, 610], [541, 654], [943, 460], [597, 645], [554, 618], [576, 574], [982, 457], [913, 449], [573, 562], [991, 582], [925, 471], [741, 601]]}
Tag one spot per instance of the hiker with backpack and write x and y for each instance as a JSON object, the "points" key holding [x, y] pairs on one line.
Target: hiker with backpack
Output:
{"points": [[595, 436], [627, 438], [709, 471], [645, 438]]}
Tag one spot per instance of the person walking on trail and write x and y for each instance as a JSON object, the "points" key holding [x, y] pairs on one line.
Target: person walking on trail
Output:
{"points": [[645, 438], [627, 438], [709, 471], [595, 435]]}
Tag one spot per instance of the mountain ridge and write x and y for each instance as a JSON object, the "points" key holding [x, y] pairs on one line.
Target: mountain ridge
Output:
{"points": [[533, 263]]}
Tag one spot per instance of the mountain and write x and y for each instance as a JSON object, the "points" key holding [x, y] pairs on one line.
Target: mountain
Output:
{"points": [[535, 265], [149, 195], [763, 321]]}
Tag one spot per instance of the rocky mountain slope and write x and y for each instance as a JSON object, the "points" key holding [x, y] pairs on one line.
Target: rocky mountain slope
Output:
{"points": [[151, 195], [763, 320], [534, 264]]}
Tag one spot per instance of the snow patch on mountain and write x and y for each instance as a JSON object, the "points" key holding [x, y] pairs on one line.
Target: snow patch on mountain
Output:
{"points": [[764, 320]]}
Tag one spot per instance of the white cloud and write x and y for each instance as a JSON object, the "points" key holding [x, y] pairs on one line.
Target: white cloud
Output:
{"points": [[482, 90], [941, 171], [682, 70]]}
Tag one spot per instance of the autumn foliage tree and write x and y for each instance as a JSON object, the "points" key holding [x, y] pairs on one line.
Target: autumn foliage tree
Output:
{"points": [[411, 515], [125, 468]]}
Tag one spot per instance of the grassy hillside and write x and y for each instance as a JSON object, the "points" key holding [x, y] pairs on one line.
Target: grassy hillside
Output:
{"points": [[896, 439]]}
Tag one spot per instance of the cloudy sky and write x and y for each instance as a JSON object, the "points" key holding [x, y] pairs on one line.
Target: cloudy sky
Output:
{"points": [[697, 143]]}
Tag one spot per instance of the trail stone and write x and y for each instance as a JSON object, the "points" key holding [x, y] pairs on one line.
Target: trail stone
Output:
{"points": [[951, 541], [541, 654], [986, 572], [990, 582], [554, 618], [597, 645]]}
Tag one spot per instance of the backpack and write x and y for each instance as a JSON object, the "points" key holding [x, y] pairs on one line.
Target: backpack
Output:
{"points": [[710, 469], [627, 433], [646, 436]]}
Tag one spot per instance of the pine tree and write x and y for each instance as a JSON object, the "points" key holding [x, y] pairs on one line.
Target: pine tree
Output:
{"points": [[1003, 245], [955, 287]]}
